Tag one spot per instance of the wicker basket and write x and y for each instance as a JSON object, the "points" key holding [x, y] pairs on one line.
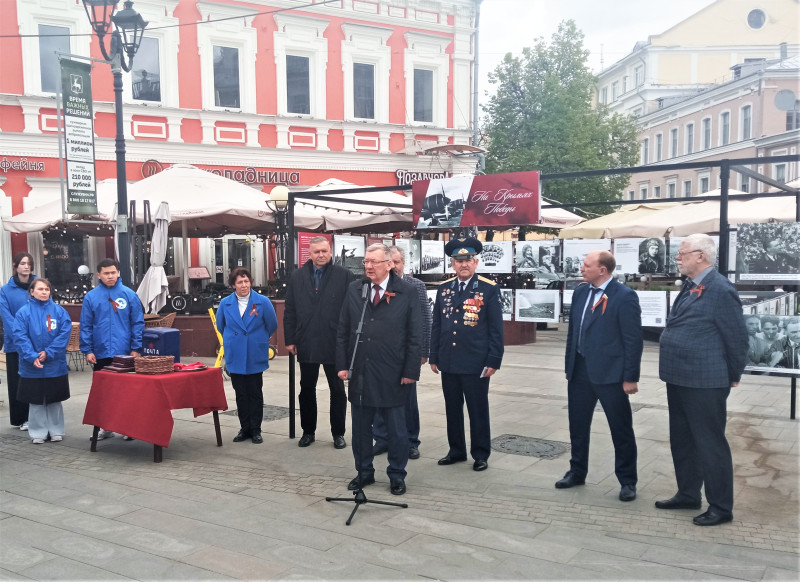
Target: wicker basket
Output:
{"points": [[154, 364]]}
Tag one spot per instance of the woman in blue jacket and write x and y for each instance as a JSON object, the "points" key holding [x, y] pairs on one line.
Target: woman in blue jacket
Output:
{"points": [[13, 296], [246, 321], [41, 334]]}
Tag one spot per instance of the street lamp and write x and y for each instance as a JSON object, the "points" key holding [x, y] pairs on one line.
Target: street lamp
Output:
{"points": [[278, 203], [125, 40]]}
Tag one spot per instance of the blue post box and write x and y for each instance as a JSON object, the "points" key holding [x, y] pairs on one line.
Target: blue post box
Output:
{"points": [[162, 341]]}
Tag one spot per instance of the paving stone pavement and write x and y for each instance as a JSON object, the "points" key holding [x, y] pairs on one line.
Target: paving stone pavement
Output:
{"points": [[258, 512]]}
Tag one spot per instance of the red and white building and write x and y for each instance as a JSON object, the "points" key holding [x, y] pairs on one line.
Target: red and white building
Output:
{"points": [[297, 91]]}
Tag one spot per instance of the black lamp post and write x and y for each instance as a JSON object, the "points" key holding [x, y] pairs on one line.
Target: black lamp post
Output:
{"points": [[278, 203], [125, 40]]}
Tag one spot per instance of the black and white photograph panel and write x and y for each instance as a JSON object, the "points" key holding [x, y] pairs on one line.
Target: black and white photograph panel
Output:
{"points": [[507, 302], [431, 298], [652, 256], [496, 257], [348, 252], [674, 245], [537, 305], [774, 343], [768, 252], [405, 244], [576, 250], [527, 257], [444, 202], [414, 257], [432, 260], [549, 253], [769, 302]]}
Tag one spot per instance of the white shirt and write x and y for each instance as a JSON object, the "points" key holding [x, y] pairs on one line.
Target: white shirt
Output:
{"points": [[383, 284], [243, 301]]}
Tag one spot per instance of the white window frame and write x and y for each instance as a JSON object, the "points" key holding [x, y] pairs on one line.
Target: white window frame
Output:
{"points": [[658, 148], [367, 45], [705, 176], [643, 192], [427, 52], [687, 184], [238, 34], [721, 130], [614, 91], [638, 76], [302, 36], [742, 136], [604, 95], [645, 151], [688, 137], [631, 194], [674, 142], [672, 189], [707, 145], [656, 191]]}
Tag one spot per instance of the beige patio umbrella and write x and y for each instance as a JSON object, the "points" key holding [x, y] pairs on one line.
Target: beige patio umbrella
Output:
{"points": [[601, 227]]}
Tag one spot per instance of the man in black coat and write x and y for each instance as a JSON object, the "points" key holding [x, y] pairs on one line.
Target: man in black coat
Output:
{"points": [[387, 362], [314, 298]]}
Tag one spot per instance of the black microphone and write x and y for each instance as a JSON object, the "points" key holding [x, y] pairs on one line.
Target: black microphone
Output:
{"points": [[365, 288]]}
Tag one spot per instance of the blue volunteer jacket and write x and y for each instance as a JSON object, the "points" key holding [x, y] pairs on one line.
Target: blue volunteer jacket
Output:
{"points": [[12, 298], [42, 326], [112, 321], [246, 337]]}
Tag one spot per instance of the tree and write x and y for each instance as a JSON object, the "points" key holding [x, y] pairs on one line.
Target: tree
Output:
{"points": [[542, 118]]}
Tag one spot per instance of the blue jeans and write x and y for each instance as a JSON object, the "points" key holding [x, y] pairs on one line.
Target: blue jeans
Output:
{"points": [[381, 434]]}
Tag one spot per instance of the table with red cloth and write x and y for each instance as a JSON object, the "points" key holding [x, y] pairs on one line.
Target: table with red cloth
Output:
{"points": [[140, 405]]}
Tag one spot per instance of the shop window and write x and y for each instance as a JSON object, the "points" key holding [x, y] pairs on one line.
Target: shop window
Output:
{"points": [[226, 77], [423, 95], [298, 95], [52, 39], [363, 91], [146, 72]]}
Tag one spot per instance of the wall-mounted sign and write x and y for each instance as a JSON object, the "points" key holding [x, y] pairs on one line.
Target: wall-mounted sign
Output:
{"points": [[151, 168], [22, 164], [406, 177], [76, 90]]}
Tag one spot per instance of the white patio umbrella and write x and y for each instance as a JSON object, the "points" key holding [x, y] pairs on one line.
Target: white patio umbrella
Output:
{"points": [[154, 288]]}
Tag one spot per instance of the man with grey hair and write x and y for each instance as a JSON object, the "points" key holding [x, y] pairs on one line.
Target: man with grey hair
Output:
{"points": [[703, 352], [314, 298], [379, 431]]}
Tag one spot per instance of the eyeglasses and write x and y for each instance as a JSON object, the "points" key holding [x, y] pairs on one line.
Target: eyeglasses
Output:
{"points": [[682, 253], [368, 262]]}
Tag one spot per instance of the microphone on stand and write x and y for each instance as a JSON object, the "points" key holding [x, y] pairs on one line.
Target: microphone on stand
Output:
{"points": [[365, 288]]}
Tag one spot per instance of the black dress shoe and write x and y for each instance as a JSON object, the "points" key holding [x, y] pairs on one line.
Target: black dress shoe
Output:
{"points": [[480, 465], [353, 485], [678, 502], [379, 450], [627, 493], [242, 436], [256, 438], [711, 517], [306, 440], [339, 442], [570, 480], [413, 453], [397, 486], [448, 460]]}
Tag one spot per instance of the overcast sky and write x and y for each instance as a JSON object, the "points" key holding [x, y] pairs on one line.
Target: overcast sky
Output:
{"points": [[611, 27]]}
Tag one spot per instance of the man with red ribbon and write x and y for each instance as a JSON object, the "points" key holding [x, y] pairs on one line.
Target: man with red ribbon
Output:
{"points": [[112, 321], [603, 358]]}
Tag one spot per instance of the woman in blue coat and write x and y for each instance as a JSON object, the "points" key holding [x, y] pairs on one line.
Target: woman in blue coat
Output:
{"points": [[13, 296], [41, 334], [246, 321]]}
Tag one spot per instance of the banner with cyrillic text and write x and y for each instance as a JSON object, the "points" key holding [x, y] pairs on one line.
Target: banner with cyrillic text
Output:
{"points": [[494, 200], [76, 92]]}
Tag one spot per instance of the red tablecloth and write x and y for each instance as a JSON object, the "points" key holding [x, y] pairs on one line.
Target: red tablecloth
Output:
{"points": [[140, 405]]}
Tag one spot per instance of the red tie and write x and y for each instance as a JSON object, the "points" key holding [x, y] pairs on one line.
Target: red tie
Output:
{"points": [[377, 298]]}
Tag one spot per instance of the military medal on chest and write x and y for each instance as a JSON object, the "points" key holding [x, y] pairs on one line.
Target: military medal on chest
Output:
{"points": [[472, 309]]}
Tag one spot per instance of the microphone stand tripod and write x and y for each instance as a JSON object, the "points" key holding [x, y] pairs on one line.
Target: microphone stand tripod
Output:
{"points": [[359, 498]]}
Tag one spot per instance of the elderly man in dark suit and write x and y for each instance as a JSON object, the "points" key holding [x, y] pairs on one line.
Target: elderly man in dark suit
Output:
{"points": [[387, 362], [703, 354], [602, 361], [314, 298]]}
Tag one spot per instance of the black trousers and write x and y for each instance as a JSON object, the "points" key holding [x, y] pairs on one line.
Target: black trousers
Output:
{"points": [[309, 374], [700, 451], [474, 390], [582, 397], [395, 418], [249, 401], [17, 410]]}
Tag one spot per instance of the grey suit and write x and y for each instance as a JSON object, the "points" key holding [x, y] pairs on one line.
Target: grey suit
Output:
{"points": [[703, 350]]}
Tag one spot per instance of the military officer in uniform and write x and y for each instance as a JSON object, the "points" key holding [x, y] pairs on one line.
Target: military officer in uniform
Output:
{"points": [[467, 347]]}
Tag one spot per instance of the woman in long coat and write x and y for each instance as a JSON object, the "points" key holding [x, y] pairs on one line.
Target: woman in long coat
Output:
{"points": [[41, 334], [246, 321]]}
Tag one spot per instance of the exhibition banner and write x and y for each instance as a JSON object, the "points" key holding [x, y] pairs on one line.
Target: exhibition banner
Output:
{"points": [[768, 253], [76, 91], [494, 200]]}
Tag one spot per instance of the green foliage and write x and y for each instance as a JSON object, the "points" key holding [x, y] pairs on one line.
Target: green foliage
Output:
{"points": [[542, 118]]}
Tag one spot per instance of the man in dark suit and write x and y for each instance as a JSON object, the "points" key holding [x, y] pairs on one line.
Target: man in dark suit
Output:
{"points": [[703, 352], [467, 347], [314, 298], [602, 361], [774, 260], [387, 362]]}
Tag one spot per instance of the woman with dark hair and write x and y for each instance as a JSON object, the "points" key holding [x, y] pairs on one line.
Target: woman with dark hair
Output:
{"points": [[246, 321], [13, 296], [41, 334]]}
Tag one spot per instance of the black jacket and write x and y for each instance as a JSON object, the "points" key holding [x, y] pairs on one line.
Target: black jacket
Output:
{"points": [[391, 343], [310, 317]]}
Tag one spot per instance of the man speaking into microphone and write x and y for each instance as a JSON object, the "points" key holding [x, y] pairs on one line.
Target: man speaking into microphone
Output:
{"points": [[387, 361]]}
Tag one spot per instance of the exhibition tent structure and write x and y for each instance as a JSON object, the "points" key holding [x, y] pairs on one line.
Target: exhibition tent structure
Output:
{"points": [[601, 227]]}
